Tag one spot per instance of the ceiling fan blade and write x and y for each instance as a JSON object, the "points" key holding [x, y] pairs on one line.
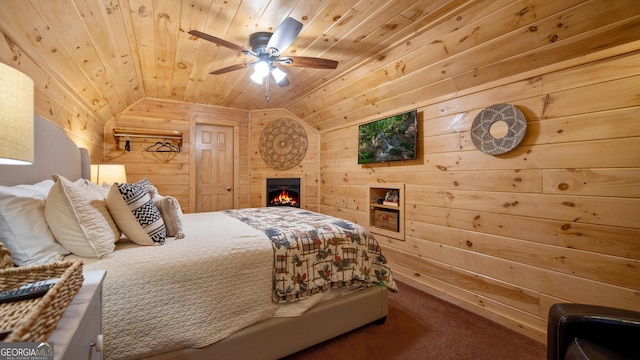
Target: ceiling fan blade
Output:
{"points": [[284, 35], [231, 68], [310, 62], [218, 41]]}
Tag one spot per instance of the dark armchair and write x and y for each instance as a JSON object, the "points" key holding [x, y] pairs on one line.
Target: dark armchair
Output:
{"points": [[577, 331]]}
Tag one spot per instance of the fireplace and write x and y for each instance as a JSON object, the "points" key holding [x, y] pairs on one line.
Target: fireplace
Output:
{"points": [[283, 192]]}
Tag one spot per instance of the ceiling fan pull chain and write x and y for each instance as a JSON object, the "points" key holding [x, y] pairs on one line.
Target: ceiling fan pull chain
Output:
{"points": [[266, 93]]}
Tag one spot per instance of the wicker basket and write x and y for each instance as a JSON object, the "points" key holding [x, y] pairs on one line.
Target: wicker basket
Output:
{"points": [[5, 257], [35, 319]]}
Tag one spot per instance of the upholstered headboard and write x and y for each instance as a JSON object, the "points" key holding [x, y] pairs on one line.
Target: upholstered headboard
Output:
{"points": [[55, 153]]}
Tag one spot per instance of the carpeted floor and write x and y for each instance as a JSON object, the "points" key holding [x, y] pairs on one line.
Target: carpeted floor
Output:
{"points": [[420, 326]]}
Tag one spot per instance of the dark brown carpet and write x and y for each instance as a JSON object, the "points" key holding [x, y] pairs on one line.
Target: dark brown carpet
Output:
{"points": [[421, 326]]}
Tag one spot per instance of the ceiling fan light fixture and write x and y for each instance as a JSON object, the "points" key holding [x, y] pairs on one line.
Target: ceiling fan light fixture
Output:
{"points": [[262, 69], [266, 49], [257, 78], [278, 75]]}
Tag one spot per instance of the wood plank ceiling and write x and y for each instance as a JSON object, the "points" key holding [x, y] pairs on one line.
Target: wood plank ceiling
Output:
{"points": [[114, 53]]}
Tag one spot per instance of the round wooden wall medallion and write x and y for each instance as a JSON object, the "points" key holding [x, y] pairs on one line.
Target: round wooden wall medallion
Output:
{"points": [[283, 144], [498, 129]]}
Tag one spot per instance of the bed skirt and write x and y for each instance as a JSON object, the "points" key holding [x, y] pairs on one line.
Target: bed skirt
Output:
{"points": [[320, 323]]}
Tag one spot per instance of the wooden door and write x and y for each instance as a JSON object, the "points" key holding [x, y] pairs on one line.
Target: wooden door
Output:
{"points": [[214, 167]]}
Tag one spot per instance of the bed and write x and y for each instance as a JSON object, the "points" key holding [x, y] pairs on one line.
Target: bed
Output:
{"points": [[229, 296]]}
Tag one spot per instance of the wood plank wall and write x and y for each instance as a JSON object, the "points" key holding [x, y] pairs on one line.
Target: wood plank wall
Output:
{"points": [[556, 219], [54, 101], [504, 236], [308, 169], [173, 173]]}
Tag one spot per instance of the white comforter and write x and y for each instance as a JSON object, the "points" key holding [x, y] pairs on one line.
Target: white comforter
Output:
{"points": [[187, 293]]}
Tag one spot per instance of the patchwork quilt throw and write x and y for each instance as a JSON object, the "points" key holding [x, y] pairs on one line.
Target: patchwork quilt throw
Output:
{"points": [[314, 252]]}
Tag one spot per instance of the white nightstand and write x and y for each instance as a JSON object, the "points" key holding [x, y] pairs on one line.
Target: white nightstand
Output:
{"points": [[79, 332]]}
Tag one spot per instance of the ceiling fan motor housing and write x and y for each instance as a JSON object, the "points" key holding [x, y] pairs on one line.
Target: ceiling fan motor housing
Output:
{"points": [[259, 41]]}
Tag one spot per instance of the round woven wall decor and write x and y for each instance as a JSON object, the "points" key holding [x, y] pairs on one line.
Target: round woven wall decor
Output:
{"points": [[283, 144], [516, 128]]}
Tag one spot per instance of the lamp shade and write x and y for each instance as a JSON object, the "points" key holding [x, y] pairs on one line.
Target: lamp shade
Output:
{"points": [[16, 117], [278, 75], [262, 69], [108, 173]]}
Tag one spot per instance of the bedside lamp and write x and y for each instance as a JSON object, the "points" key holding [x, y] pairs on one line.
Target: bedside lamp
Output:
{"points": [[16, 117], [108, 173]]}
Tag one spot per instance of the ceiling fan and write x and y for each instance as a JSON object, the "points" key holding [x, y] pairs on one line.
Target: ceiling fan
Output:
{"points": [[267, 47]]}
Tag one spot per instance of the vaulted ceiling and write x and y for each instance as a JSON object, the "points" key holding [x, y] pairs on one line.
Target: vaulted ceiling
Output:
{"points": [[113, 53], [392, 54]]}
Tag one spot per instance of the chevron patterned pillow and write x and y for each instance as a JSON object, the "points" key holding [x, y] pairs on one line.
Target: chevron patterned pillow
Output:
{"points": [[153, 190], [135, 214]]}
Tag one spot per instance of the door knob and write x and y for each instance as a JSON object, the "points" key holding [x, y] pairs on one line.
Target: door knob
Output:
{"points": [[228, 188]]}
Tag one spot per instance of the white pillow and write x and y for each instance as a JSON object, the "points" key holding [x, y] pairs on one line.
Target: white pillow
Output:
{"points": [[171, 214], [79, 219], [102, 189], [135, 214], [23, 228]]}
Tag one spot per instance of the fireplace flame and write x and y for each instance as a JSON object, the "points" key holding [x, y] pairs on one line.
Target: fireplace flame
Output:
{"points": [[284, 199]]}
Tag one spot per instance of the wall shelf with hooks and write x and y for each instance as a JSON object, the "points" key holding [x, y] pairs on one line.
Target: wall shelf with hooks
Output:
{"points": [[148, 134]]}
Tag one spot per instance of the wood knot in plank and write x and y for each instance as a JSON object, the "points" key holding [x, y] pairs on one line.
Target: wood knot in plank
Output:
{"points": [[476, 221], [524, 11], [448, 195], [389, 26], [142, 11], [562, 259]]}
